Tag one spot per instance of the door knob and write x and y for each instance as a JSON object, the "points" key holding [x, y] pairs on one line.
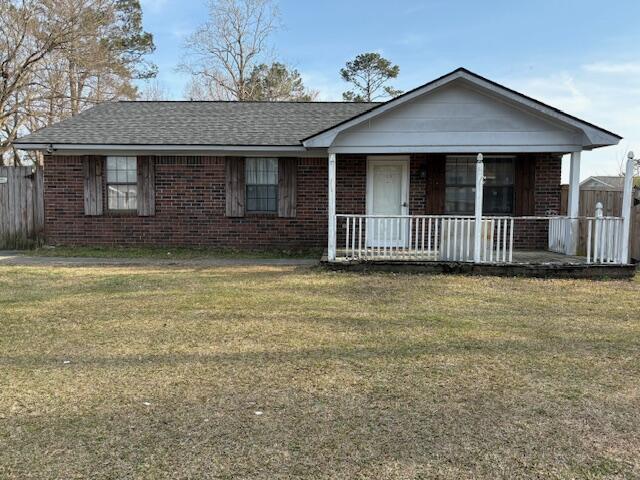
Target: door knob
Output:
{"points": [[404, 204]]}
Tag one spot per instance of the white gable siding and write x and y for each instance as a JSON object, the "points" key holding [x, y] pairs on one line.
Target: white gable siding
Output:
{"points": [[457, 118]]}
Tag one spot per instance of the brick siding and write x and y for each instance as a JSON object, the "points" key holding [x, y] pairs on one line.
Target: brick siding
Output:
{"points": [[190, 205]]}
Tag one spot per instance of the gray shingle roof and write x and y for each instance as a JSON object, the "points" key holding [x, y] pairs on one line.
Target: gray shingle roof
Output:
{"points": [[197, 123]]}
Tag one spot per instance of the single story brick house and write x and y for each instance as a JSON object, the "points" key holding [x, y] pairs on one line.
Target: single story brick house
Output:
{"points": [[368, 176]]}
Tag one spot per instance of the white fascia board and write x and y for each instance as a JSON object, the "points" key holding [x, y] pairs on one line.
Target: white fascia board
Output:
{"points": [[594, 137]]}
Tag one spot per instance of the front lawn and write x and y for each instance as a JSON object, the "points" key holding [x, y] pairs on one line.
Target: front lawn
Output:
{"points": [[169, 253], [293, 372]]}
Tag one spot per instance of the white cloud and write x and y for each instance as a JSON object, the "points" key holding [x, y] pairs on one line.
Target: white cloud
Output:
{"points": [[329, 88], [613, 68], [607, 102]]}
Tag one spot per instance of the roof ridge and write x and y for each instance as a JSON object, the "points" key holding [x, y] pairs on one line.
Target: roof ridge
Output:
{"points": [[263, 102]]}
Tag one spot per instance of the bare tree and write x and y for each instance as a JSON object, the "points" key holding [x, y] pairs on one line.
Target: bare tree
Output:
{"points": [[30, 30], [62, 56], [225, 50], [153, 90]]}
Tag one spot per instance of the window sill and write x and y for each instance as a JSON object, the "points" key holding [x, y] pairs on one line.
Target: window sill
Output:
{"points": [[266, 214], [122, 213]]}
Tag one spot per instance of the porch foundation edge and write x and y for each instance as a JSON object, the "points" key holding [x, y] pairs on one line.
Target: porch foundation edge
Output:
{"points": [[600, 272]]}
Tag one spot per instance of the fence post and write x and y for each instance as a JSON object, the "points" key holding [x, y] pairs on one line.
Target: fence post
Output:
{"points": [[599, 210], [626, 208], [477, 234]]}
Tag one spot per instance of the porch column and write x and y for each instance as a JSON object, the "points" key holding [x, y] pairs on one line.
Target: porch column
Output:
{"points": [[573, 205], [626, 208], [331, 244], [477, 233]]}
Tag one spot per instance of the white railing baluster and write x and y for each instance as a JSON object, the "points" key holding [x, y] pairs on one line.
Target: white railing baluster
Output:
{"points": [[499, 226], [589, 227], [346, 245], [360, 237], [353, 237], [455, 239], [511, 242], [436, 239], [491, 248]]}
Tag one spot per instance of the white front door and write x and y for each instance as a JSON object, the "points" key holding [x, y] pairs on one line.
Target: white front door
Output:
{"points": [[387, 194]]}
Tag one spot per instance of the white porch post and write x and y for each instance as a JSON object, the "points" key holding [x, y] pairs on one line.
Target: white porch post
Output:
{"points": [[626, 208], [331, 245], [477, 234], [573, 205]]}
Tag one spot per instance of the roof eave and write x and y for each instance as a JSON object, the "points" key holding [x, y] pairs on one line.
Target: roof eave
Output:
{"points": [[140, 149]]}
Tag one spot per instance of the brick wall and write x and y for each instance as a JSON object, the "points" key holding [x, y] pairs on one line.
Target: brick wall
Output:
{"points": [[190, 209], [533, 234], [190, 205]]}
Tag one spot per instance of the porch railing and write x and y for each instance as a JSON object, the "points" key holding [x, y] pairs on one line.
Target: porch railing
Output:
{"points": [[559, 234], [423, 237], [599, 238], [451, 238], [604, 239]]}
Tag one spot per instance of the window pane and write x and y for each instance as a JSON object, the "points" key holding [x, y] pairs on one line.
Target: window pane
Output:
{"points": [[262, 198], [460, 171], [460, 200], [261, 171], [121, 169], [262, 184], [122, 197], [132, 176], [497, 200], [499, 171], [111, 169], [460, 182]]}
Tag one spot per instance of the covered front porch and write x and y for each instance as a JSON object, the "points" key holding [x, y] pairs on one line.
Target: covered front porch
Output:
{"points": [[388, 233], [464, 171]]}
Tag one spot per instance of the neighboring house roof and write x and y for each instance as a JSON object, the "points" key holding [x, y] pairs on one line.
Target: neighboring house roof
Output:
{"points": [[600, 182], [197, 123], [609, 182], [290, 126]]}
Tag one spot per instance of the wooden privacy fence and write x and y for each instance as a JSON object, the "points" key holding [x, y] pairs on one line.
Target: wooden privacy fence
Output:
{"points": [[611, 201], [21, 206]]}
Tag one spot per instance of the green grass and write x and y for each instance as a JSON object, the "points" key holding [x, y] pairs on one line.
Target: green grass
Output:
{"points": [[357, 376], [180, 253]]}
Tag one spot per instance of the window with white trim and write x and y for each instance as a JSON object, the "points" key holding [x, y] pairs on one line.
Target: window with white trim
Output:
{"points": [[460, 179], [261, 180], [122, 183]]}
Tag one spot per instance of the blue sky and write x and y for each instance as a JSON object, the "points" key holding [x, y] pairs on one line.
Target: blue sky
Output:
{"points": [[582, 56]]}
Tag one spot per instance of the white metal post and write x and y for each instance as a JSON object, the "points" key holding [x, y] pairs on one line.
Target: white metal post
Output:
{"points": [[573, 205], [626, 208], [477, 234], [331, 246]]}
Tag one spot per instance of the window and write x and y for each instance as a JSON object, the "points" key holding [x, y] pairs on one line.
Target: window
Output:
{"points": [[261, 178], [460, 178], [122, 183]]}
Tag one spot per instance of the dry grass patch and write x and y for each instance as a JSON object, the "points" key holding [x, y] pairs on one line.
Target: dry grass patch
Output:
{"points": [[160, 372]]}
